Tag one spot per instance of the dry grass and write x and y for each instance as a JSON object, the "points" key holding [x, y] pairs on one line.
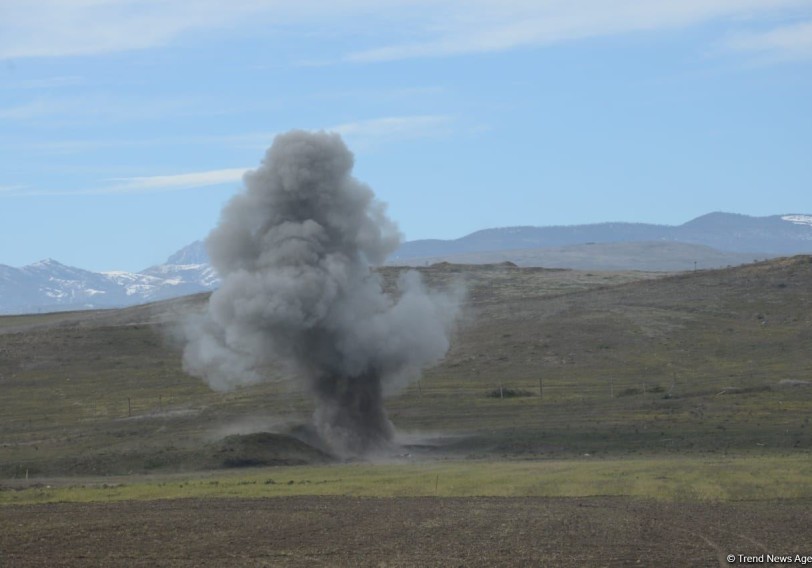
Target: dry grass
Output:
{"points": [[629, 364]]}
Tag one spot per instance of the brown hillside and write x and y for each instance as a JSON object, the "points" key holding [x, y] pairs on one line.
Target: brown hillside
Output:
{"points": [[626, 362]]}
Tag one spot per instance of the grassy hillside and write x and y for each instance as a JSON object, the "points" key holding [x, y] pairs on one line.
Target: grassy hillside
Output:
{"points": [[627, 363], [641, 255]]}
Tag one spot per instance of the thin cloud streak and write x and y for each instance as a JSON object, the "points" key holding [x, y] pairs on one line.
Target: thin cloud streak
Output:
{"points": [[370, 133], [439, 28], [146, 184], [786, 42], [56, 28], [479, 27], [364, 133], [177, 181], [79, 146], [376, 130]]}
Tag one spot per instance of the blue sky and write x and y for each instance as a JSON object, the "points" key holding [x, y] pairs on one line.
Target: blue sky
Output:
{"points": [[125, 125]]}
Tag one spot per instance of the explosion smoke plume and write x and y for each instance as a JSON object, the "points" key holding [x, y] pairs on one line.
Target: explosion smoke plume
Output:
{"points": [[294, 252]]}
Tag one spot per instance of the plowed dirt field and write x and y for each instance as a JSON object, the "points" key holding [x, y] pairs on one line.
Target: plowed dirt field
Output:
{"points": [[346, 531]]}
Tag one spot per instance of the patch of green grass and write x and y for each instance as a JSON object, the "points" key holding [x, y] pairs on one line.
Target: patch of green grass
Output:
{"points": [[672, 479]]}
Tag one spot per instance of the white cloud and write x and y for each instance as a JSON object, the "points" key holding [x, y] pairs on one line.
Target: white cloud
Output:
{"points": [[786, 42], [255, 141], [81, 27], [146, 184], [57, 28], [485, 26], [362, 134], [174, 182], [413, 28], [370, 133]]}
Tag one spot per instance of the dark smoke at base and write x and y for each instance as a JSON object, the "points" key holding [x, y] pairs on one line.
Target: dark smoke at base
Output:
{"points": [[350, 414], [295, 253]]}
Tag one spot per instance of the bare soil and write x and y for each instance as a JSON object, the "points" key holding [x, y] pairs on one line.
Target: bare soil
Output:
{"points": [[347, 531]]}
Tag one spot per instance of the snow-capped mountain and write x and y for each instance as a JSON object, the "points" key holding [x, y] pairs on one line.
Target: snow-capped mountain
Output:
{"points": [[51, 286], [186, 272], [716, 239]]}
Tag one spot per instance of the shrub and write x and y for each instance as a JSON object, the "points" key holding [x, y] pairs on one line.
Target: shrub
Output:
{"points": [[509, 393]]}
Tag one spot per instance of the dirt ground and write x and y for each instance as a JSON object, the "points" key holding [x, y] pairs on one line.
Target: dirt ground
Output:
{"points": [[346, 531]]}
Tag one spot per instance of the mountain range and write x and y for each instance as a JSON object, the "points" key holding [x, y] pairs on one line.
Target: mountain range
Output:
{"points": [[729, 232], [49, 285], [709, 241]]}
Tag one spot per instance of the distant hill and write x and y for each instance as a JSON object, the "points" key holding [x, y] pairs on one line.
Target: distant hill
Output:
{"points": [[654, 256], [712, 241], [775, 235]]}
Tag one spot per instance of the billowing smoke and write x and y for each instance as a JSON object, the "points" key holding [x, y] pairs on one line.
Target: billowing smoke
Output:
{"points": [[295, 253]]}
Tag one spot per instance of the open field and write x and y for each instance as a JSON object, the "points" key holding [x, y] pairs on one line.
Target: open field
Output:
{"points": [[627, 364], [678, 479], [653, 400], [403, 531]]}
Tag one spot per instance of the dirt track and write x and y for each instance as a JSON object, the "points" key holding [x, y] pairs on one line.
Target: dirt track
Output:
{"points": [[345, 531]]}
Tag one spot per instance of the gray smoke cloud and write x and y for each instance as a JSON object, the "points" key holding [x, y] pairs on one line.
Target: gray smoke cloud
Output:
{"points": [[295, 253]]}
